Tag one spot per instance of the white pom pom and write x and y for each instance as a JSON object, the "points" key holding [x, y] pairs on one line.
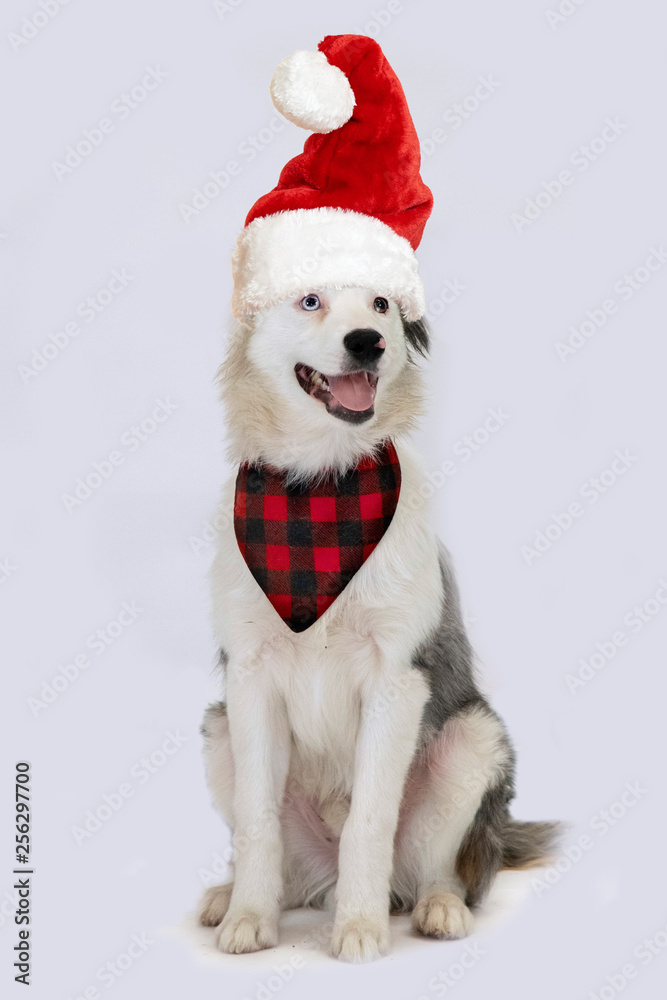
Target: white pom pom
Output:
{"points": [[312, 93]]}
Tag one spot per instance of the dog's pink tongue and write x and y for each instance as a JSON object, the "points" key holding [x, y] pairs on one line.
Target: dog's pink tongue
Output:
{"points": [[352, 391]]}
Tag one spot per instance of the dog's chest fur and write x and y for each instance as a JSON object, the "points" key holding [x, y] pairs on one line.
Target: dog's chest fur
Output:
{"points": [[356, 658]]}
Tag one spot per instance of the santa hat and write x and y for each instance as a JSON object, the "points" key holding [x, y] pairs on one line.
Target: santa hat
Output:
{"points": [[351, 208]]}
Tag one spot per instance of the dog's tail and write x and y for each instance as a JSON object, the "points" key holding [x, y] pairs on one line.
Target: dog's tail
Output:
{"points": [[497, 842], [529, 845]]}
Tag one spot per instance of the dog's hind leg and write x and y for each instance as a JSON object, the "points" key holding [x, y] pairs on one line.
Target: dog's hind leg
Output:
{"points": [[220, 777], [214, 904], [448, 784], [219, 760]]}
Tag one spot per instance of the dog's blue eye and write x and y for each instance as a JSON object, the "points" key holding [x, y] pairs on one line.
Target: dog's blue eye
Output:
{"points": [[380, 305], [310, 303]]}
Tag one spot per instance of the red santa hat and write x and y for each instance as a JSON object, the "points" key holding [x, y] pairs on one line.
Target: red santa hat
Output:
{"points": [[351, 208]]}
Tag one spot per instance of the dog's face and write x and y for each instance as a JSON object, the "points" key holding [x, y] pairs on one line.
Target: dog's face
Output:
{"points": [[330, 370], [333, 351]]}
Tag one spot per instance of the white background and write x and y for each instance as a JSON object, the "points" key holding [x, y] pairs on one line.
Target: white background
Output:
{"points": [[162, 338]]}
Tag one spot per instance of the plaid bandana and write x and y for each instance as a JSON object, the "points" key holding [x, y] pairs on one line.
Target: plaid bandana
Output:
{"points": [[303, 544]]}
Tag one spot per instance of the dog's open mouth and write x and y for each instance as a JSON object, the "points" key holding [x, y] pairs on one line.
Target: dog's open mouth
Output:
{"points": [[349, 397]]}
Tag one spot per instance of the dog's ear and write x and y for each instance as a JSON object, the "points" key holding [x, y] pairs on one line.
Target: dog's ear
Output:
{"points": [[417, 335]]}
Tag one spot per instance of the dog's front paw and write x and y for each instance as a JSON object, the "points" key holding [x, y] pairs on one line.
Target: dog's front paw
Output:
{"points": [[214, 904], [442, 915], [244, 930], [360, 939]]}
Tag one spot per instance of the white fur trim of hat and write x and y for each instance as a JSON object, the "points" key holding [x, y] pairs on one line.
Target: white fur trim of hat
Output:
{"points": [[288, 254]]}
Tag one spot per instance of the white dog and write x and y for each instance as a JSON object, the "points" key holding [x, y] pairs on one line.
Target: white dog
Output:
{"points": [[355, 760]]}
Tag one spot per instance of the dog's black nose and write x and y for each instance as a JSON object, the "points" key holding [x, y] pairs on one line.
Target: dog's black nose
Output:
{"points": [[365, 346]]}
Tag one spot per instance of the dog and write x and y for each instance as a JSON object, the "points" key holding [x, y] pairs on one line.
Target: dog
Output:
{"points": [[355, 759]]}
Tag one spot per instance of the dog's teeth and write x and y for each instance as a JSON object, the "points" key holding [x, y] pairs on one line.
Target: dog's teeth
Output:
{"points": [[319, 380]]}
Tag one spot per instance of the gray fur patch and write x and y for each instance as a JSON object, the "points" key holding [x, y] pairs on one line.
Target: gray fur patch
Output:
{"points": [[217, 710], [494, 840], [480, 856], [447, 659], [417, 335]]}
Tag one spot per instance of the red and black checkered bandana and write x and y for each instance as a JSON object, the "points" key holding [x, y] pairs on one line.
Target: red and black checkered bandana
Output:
{"points": [[303, 544]]}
